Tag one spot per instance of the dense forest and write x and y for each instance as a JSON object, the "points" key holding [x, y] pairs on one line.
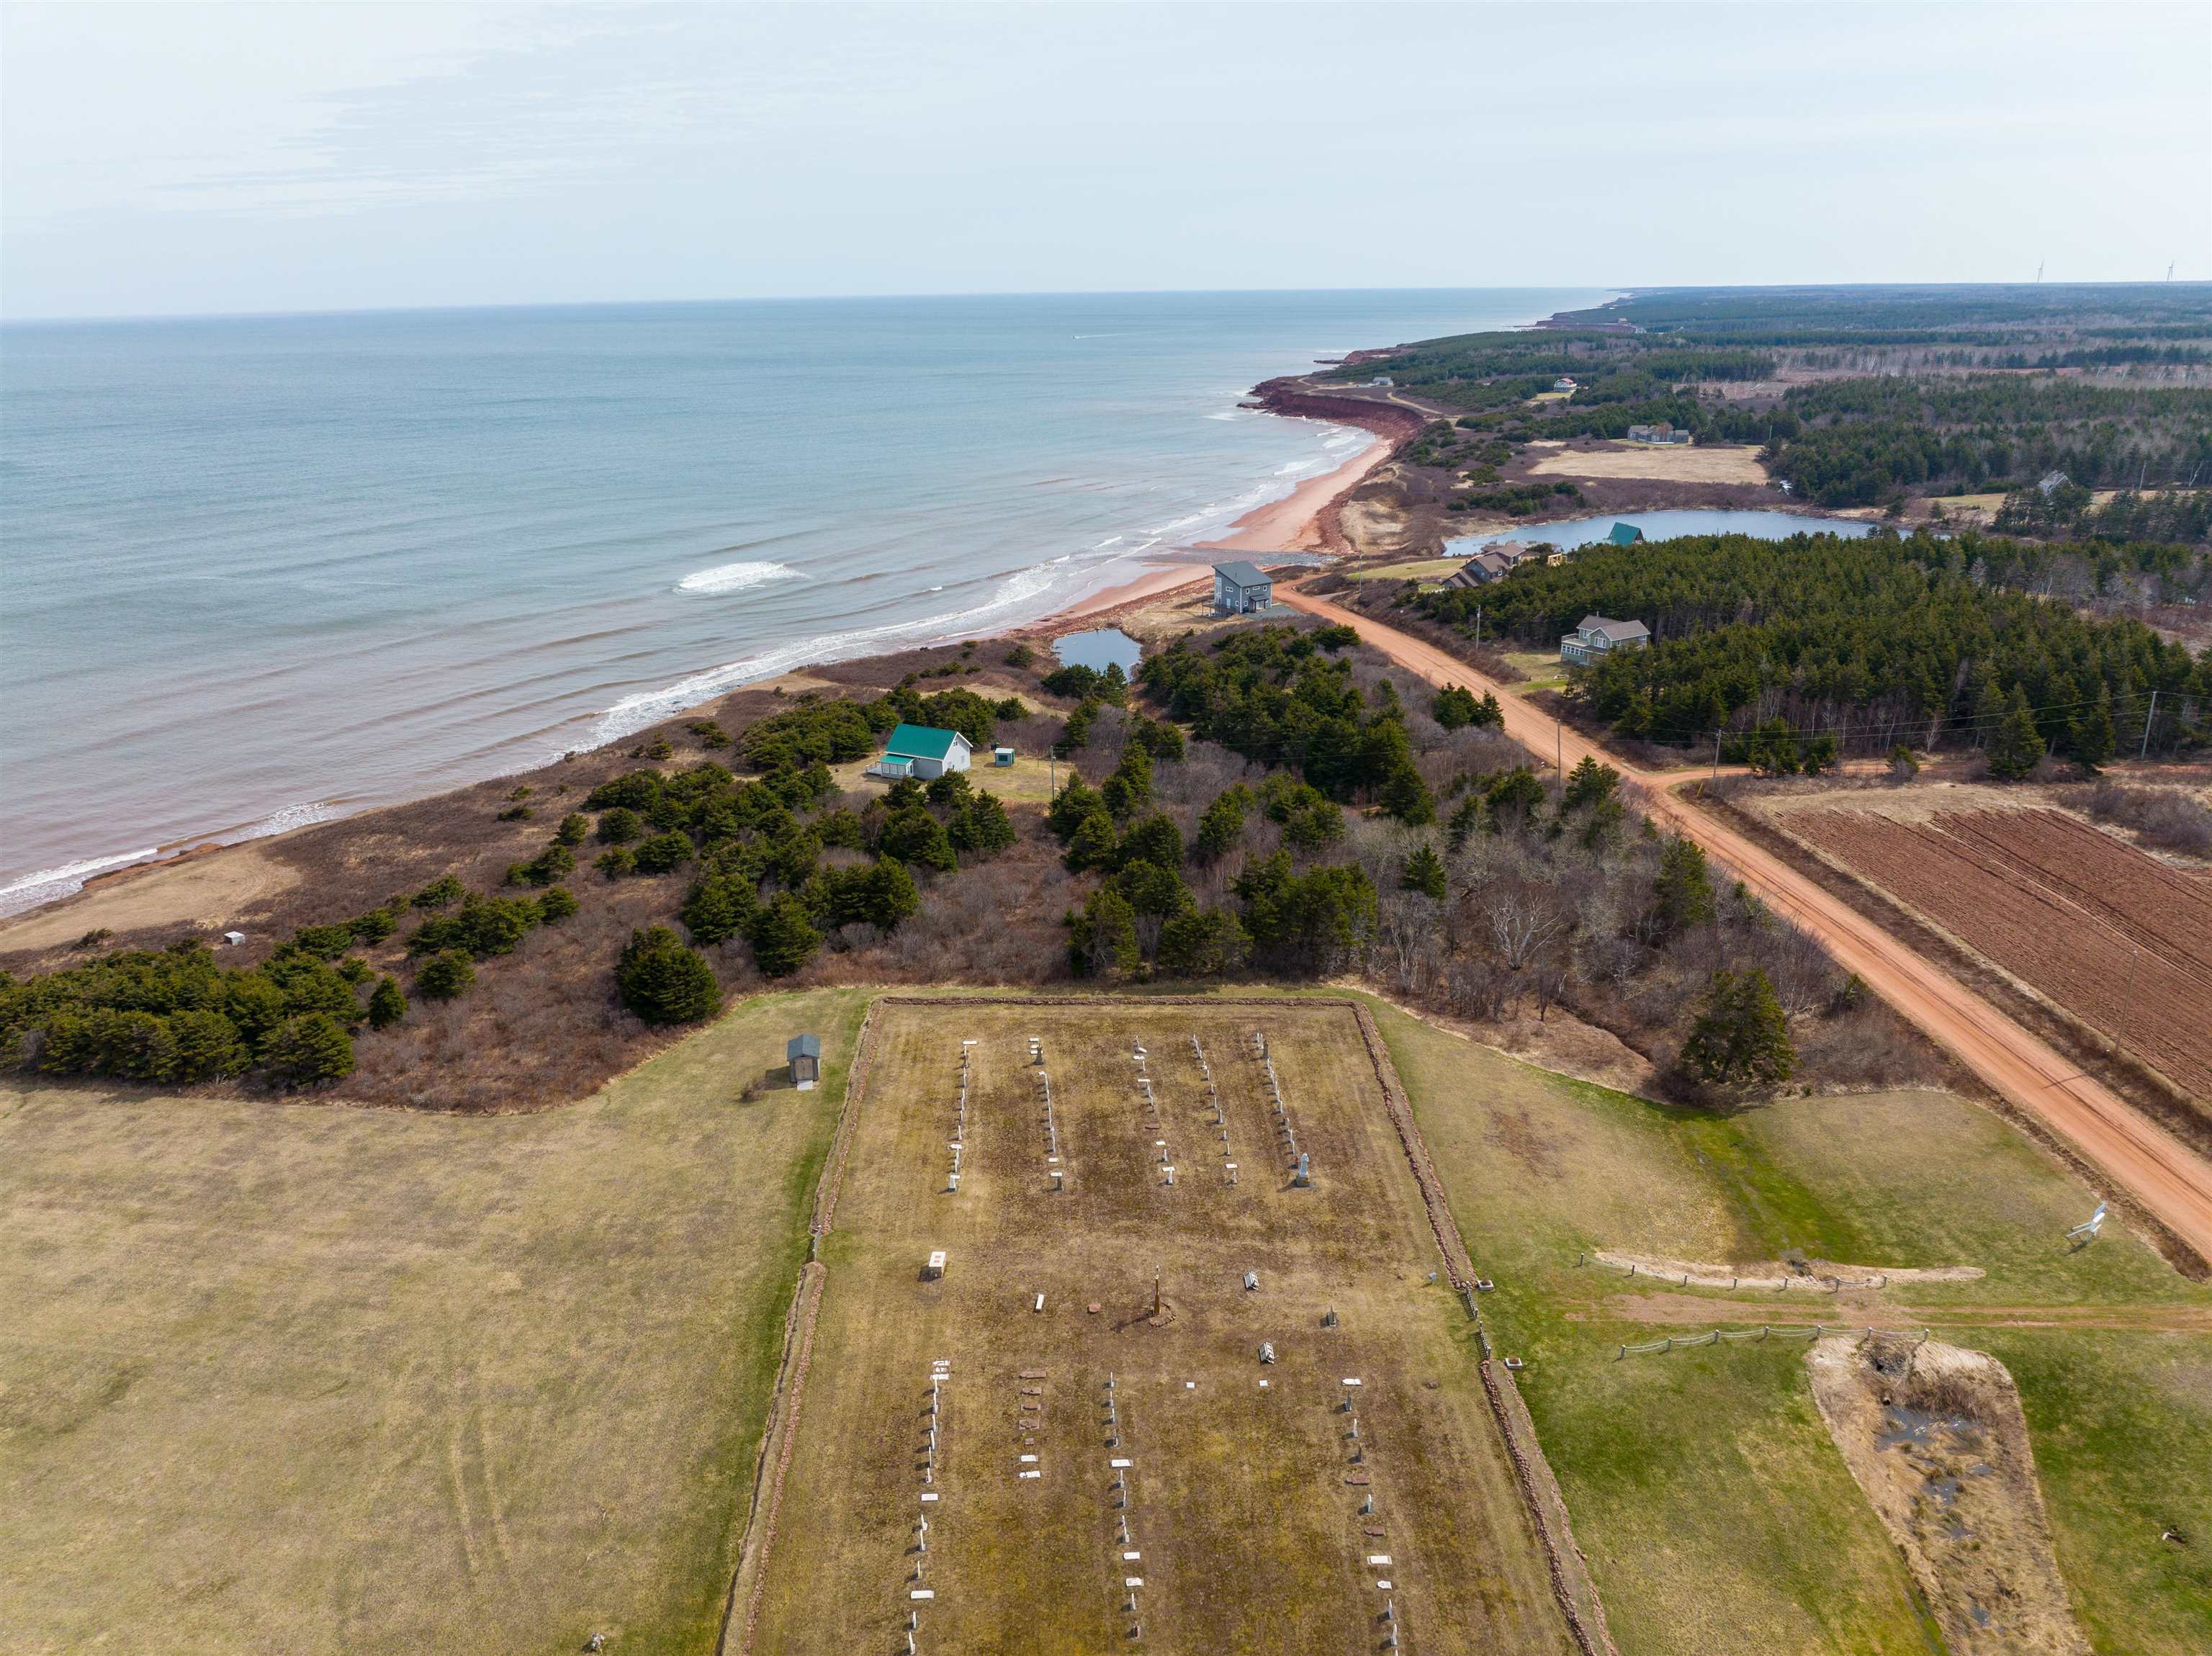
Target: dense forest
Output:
{"points": [[1876, 641], [1859, 441], [1989, 314]]}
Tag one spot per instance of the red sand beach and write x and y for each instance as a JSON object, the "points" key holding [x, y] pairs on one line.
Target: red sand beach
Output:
{"points": [[1289, 524]]}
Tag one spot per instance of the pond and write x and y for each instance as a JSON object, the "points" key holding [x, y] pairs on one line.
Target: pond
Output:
{"points": [[1108, 647], [1664, 525]]}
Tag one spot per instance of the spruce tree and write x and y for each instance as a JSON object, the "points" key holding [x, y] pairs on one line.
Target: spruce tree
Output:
{"points": [[1425, 872], [1102, 938], [1095, 844], [1406, 797], [387, 1004], [2093, 737], [1684, 889], [445, 974], [311, 1047], [664, 982], [2016, 745], [783, 937], [1740, 1037]]}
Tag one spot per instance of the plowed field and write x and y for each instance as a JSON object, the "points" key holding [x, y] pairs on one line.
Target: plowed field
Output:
{"points": [[2122, 942]]}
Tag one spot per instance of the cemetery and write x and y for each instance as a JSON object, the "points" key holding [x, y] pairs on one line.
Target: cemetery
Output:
{"points": [[1193, 1380]]}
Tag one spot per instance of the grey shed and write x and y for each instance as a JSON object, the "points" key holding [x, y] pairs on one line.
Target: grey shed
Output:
{"points": [[805, 1053]]}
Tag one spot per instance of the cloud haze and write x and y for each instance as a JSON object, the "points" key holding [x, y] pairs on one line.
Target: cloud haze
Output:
{"points": [[192, 159]]}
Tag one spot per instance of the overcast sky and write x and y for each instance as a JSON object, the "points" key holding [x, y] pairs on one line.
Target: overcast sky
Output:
{"points": [[184, 158]]}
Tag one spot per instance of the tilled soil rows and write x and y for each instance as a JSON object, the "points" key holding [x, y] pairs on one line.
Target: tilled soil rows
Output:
{"points": [[2121, 941]]}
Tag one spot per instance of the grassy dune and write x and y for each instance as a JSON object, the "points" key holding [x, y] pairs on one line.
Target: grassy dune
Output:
{"points": [[302, 1379], [1716, 1514]]}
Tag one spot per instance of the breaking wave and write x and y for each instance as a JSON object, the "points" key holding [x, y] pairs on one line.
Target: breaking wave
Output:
{"points": [[734, 577], [1018, 592]]}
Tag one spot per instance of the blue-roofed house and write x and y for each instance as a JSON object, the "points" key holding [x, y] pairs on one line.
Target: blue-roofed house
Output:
{"points": [[921, 752], [1623, 535]]}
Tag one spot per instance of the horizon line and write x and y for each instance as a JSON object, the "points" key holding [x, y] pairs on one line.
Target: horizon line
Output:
{"points": [[1617, 290]]}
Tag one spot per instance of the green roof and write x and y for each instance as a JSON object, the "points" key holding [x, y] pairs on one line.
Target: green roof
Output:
{"points": [[920, 742], [1624, 535]]}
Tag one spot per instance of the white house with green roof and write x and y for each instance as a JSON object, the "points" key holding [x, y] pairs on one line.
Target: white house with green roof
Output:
{"points": [[919, 751]]}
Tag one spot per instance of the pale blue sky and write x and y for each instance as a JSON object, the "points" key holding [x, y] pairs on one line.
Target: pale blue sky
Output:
{"points": [[186, 157]]}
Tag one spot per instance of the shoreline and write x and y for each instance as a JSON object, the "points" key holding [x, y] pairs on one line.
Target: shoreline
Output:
{"points": [[1289, 524]]}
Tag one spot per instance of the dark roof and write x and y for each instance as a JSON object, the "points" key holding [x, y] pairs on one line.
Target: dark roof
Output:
{"points": [[1615, 630], [803, 1047], [920, 742], [1240, 574]]}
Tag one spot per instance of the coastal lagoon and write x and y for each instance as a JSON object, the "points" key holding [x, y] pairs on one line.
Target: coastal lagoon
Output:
{"points": [[1099, 649], [265, 570], [1664, 525]]}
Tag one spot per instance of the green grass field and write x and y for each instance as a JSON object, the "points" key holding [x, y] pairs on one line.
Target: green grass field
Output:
{"points": [[302, 1379], [1716, 1514]]}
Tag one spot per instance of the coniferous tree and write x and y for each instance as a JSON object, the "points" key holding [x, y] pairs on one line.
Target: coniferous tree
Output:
{"points": [[1684, 889], [1425, 872], [1741, 1037], [2093, 737], [663, 981], [1094, 845], [1202, 943], [1103, 937], [2016, 745], [311, 1047], [1223, 824], [783, 937], [387, 1004], [445, 974]]}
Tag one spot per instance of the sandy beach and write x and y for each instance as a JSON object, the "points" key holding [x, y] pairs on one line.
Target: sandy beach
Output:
{"points": [[1289, 524]]}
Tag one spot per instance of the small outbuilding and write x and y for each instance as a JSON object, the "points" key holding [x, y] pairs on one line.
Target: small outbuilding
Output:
{"points": [[805, 1053], [1565, 382], [1002, 756], [922, 752], [1240, 589], [935, 1267]]}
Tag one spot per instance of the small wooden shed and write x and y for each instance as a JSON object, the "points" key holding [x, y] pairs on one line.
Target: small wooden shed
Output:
{"points": [[805, 1053]]}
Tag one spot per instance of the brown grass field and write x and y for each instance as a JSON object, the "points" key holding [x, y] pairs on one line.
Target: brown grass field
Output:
{"points": [[301, 1378], [1666, 462], [1242, 1498]]}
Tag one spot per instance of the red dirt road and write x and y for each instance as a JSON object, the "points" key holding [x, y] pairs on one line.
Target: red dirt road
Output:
{"points": [[2161, 1173]]}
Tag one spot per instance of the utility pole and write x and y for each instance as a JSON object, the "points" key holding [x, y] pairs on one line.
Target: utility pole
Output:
{"points": [[1559, 747], [1478, 627], [1717, 754], [2148, 717]]}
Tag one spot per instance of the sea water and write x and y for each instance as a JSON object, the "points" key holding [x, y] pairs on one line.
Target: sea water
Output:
{"points": [[260, 571]]}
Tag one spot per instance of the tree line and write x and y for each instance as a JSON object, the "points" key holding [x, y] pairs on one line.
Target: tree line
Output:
{"points": [[1880, 640]]}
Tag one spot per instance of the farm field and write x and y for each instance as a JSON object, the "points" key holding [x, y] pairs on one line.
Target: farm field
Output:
{"points": [[2116, 937], [1080, 1448], [303, 1379], [1715, 1512], [1673, 463]]}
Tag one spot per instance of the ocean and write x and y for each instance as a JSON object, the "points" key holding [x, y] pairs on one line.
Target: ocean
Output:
{"points": [[257, 572]]}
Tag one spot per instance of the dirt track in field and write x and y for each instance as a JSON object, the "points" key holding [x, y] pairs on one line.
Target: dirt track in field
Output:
{"points": [[2116, 937], [2171, 1184]]}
